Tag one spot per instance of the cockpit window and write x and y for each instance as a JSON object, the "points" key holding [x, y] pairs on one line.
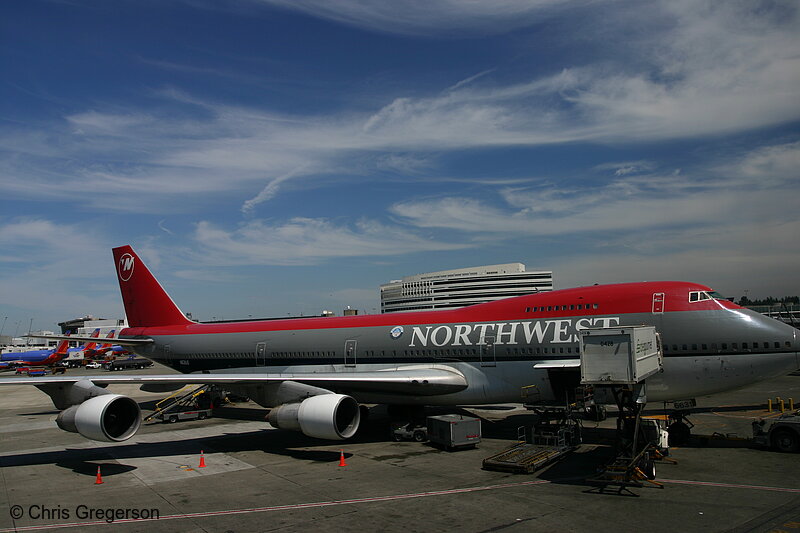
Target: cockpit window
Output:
{"points": [[699, 296]]}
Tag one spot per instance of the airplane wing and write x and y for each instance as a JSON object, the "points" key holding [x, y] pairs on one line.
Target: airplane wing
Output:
{"points": [[428, 381], [121, 342]]}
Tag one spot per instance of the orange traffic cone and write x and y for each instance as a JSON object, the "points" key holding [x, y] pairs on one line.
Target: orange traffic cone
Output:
{"points": [[202, 460], [99, 479], [341, 458]]}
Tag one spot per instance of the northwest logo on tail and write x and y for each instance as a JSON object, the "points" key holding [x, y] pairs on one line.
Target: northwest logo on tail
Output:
{"points": [[125, 267]]}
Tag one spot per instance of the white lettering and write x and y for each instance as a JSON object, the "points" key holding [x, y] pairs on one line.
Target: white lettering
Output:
{"points": [[448, 336], [537, 330], [460, 337], [417, 333], [511, 334], [561, 328], [483, 328]]}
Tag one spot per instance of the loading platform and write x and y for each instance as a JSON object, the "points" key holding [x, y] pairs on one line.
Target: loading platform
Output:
{"points": [[536, 449]]}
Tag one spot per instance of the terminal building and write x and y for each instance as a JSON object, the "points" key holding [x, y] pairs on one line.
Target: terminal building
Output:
{"points": [[450, 289]]}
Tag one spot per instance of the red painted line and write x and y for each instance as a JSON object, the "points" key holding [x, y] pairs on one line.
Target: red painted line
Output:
{"points": [[278, 507], [354, 501], [729, 485]]}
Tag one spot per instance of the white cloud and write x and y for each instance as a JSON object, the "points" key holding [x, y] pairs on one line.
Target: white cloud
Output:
{"points": [[434, 17], [306, 241], [685, 74]]}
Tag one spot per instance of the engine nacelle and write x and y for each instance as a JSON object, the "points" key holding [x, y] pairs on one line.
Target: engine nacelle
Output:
{"points": [[107, 418], [326, 416]]}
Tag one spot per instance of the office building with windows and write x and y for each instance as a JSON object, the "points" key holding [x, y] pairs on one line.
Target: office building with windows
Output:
{"points": [[450, 289]]}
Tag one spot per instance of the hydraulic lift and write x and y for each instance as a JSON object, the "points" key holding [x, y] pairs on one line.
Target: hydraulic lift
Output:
{"points": [[616, 363]]}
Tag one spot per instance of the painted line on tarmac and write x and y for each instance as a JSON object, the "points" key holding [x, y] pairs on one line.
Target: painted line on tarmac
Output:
{"points": [[375, 499], [728, 485], [291, 507]]}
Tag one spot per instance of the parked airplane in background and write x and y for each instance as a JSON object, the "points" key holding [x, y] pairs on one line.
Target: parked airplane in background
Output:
{"points": [[95, 352], [88, 346], [38, 358], [314, 372]]}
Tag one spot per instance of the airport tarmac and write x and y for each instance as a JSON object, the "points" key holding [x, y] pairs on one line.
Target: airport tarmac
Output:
{"points": [[261, 479]]}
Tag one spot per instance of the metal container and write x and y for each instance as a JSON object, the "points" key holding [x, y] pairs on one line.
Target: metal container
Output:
{"points": [[454, 431], [619, 356]]}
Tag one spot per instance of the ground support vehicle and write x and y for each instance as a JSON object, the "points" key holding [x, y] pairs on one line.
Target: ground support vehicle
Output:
{"points": [[782, 433], [196, 404], [409, 431], [127, 364]]}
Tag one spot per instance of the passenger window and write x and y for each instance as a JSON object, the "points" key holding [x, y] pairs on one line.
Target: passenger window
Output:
{"points": [[572, 307], [704, 346], [674, 347], [734, 345], [595, 306], [527, 309], [580, 306], [788, 344], [766, 345], [684, 347], [724, 345], [777, 345], [694, 347], [744, 346], [549, 307]]}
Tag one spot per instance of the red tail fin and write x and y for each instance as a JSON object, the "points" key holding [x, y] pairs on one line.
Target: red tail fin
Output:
{"points": [[62, 347], [146, 301], [91, 345]]}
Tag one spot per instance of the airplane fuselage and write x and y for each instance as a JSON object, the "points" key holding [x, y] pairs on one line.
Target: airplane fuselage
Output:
{"points": [[710, 345]]}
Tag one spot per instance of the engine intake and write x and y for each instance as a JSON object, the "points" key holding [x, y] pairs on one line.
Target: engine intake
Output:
{"points": [[106, 418], [327, 416]]}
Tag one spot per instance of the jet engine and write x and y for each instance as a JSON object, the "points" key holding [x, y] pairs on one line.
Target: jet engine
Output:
{"points": [[326, 416], [107, 418]]}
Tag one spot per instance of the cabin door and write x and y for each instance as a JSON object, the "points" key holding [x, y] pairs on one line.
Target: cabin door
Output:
{"points": [[658, 303], [350, 353], [487, 352], [261, 354]]}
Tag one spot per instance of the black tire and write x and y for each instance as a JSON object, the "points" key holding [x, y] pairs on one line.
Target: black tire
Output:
{"points": [[597, 413], [679, 433], [201, 416], [395, 437], [650, 469], [172, 419], [420, 436], [785, 440]]}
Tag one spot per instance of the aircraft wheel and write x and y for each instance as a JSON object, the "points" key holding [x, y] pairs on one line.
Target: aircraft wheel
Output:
{"points": [[786, 440], [679, 433]]}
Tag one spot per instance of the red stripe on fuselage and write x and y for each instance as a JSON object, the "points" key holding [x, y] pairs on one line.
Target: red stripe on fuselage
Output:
{"points": [[609, 300]]}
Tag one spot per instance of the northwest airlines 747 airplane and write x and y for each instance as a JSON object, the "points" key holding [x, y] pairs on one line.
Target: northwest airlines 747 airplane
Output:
{"points": [[314, 372]]}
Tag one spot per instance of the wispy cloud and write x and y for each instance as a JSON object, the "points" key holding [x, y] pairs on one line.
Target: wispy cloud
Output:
{"points": [[307, 241], [435, 17], [700, 79], [760, 189]]}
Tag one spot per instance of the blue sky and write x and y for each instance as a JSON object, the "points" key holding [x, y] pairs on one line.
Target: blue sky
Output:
{"points": [[271, 157]]}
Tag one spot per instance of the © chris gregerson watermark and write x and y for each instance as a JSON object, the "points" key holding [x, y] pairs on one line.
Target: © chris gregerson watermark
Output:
{"points": [[82, 512]]}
